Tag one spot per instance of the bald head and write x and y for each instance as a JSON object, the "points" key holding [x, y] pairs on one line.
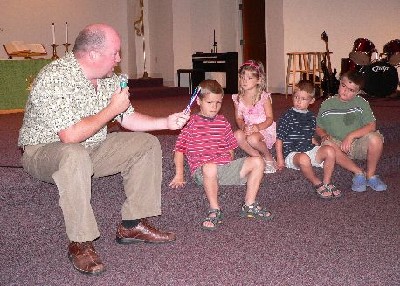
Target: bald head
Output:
{"points": [[93, 37]]}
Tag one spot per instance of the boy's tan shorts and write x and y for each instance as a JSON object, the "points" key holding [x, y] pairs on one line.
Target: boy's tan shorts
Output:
{"points": [[228, 174], [359, 147]]}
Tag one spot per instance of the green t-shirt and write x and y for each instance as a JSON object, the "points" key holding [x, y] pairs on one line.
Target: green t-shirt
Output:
{"points": [[339, 118]]}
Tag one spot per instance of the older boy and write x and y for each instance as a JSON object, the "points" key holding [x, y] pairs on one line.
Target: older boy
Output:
{"points": [[208, 143], [347, 123]]}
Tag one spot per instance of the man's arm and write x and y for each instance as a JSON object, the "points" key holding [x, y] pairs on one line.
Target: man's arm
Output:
{"points": [[90, 125], [141, 122]]}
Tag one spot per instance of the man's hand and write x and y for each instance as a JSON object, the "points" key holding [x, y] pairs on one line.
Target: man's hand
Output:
{"points": [[120, 100], [177, 120]]}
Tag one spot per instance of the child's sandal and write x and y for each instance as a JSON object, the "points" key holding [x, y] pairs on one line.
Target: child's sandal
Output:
{"points": [[336, 193], [255, 211], [323, 191], [215, 220], [270, 167]]}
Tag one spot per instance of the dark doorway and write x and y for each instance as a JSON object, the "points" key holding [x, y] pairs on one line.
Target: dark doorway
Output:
{"points": [[253, 21]]}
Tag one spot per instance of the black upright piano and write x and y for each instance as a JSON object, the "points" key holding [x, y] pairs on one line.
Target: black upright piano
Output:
{"points": [[216, 62]]}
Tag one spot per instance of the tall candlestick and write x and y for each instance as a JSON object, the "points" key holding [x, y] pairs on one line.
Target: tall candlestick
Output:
{"points": [[53, 33], [214, 37], [66, 32]]}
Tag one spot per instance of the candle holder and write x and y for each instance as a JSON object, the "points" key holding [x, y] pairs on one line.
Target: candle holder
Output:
{"points": [[54, 57], [66, 45]]}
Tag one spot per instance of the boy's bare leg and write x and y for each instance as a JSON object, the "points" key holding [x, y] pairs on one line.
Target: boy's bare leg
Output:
{"points": [[343, 160], [375, 148], [253, 169], [302, 161], [326, 154], [210, 184]]}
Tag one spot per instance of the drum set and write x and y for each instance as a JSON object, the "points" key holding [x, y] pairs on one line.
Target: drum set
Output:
{"points": [[380, 74]]}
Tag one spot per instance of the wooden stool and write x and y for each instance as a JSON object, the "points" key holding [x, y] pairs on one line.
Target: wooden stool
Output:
{"points": [[315, 72], [304, 65], [297, 66]]}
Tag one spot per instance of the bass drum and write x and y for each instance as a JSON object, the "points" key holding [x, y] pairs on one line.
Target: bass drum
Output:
{"points": [[381, 79]]}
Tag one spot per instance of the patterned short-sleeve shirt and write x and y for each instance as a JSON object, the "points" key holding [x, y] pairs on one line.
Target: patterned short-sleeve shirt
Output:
{"points": [[61, 96]]}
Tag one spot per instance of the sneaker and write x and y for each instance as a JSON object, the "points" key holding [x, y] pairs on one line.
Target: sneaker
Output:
{"points": [[270, 167], [376, 184], [359, 183]]}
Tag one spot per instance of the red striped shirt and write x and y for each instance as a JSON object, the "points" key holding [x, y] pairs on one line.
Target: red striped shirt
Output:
{"points": [[205, 140]]}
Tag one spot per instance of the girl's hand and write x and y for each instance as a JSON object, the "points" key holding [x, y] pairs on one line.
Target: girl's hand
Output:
{"points": [[250, 129]]}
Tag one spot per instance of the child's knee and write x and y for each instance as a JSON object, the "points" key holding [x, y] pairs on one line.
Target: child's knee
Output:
{"points": [[303, 159], [253, 139], [239, 135], [209, 170], [328, 151], [254, 163], [375, 139]]}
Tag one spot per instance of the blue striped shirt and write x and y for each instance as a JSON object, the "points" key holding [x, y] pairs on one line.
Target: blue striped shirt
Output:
{"points": [[296, 130]]}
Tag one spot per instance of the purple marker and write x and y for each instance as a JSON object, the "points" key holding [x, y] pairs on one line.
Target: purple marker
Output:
{"points": [[193, 98]]}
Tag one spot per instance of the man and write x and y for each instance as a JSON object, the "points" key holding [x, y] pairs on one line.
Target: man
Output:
{"points": [[65, 142]]}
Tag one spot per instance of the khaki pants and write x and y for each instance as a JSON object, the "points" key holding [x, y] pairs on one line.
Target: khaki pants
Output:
{"points": [[136, 155]]}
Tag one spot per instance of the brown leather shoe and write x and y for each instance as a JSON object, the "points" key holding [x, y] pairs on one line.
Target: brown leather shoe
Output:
{"points": [[143, 232], [84, 258]]}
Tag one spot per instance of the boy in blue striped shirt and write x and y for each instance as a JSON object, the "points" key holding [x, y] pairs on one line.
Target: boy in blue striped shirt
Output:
{"points": [[296, 147]]}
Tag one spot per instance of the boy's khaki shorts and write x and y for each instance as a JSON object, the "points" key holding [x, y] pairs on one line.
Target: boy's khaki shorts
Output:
{"points": [[359, 147], [228, 174]]}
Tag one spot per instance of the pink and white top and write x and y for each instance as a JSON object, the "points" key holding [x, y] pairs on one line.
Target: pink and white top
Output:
{"points": [[255, 115]]}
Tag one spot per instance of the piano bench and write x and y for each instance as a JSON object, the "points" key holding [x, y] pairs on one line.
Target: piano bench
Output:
{"points": [[190, 72]]}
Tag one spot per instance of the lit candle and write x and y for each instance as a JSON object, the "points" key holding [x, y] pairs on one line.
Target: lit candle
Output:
{"points": [[53, 33], [66, 32]]}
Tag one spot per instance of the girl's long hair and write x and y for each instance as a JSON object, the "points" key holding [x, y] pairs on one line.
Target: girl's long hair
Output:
{"points": [[257, 70]]}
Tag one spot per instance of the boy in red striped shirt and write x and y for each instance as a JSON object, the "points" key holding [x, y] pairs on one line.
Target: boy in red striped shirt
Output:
{"points": [[208, 143]]}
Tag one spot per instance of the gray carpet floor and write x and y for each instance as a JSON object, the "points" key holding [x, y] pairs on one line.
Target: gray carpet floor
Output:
{"points": [[354, 240]]}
